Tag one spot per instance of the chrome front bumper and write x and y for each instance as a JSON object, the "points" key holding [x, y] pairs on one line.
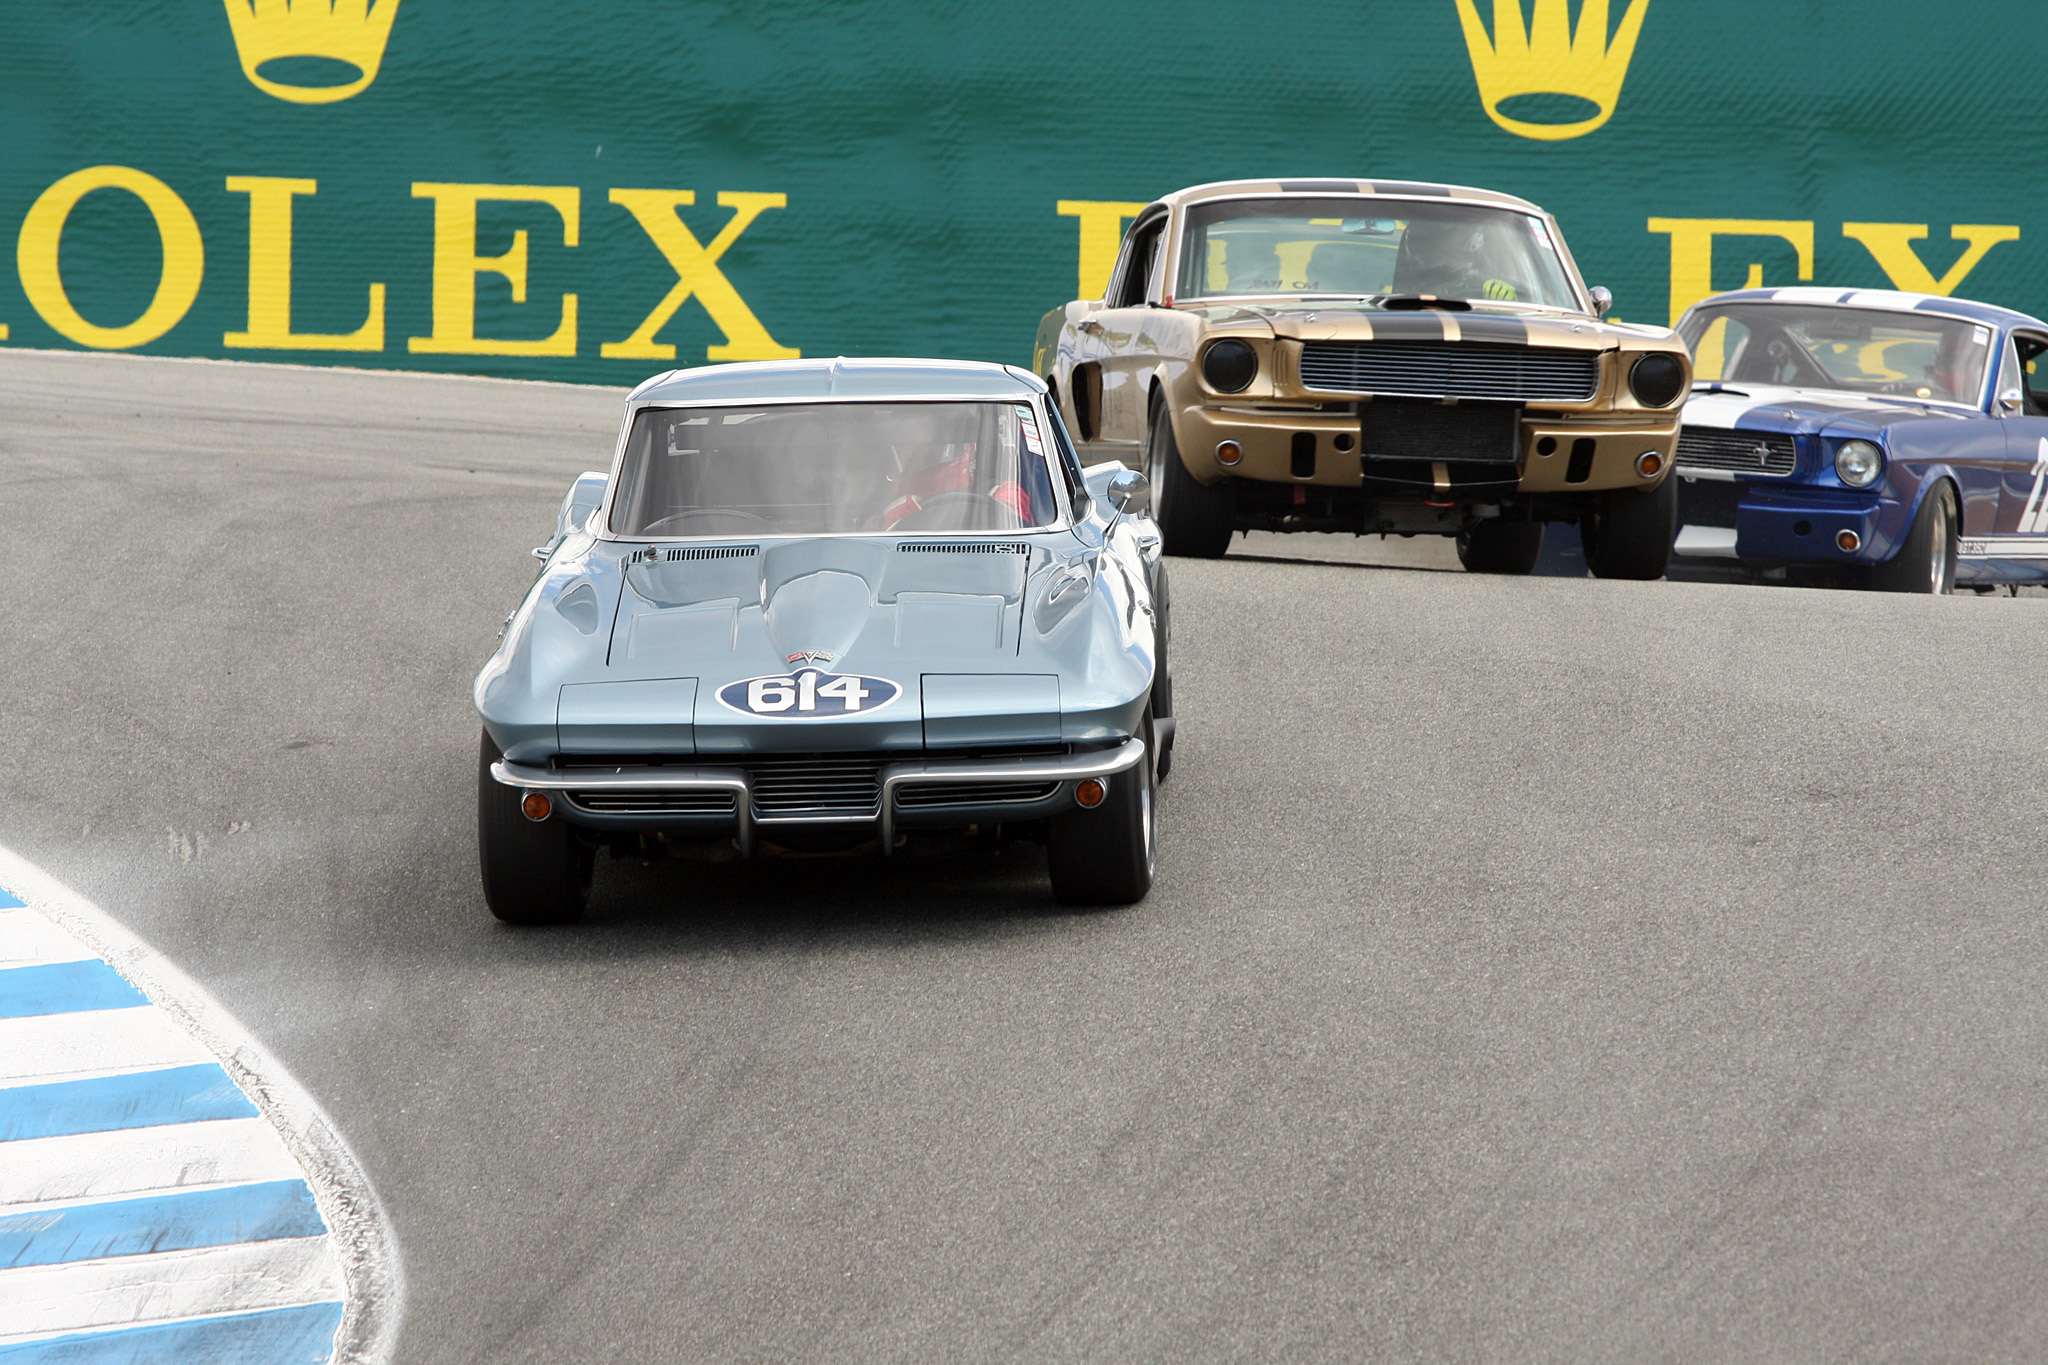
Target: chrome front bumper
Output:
{"points": [[738, 783]]}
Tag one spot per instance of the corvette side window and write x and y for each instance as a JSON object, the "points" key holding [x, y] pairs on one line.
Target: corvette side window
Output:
{"points": [[1069, 462]]}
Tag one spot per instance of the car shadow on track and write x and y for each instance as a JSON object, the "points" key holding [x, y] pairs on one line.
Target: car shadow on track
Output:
{"points": [[673, 905]]}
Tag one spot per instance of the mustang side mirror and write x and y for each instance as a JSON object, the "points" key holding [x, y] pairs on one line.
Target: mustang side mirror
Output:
{"points": [[1603, 299]]}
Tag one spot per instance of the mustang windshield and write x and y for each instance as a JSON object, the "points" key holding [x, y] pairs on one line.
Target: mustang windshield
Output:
{"points": [[819, 468], [1369, 246], [1824, 346]]}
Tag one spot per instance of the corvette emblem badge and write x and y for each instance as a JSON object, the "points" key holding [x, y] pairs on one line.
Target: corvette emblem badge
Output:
{"points": [[810, 656]]}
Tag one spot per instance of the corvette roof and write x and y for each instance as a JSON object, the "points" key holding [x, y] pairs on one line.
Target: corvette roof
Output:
{"points": [[840, 378], [1890, 300]]}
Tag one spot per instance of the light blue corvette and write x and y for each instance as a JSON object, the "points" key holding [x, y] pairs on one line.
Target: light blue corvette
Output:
{"points": [[832, 605]]}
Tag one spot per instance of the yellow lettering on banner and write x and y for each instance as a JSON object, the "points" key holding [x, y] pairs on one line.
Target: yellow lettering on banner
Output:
{"points": [[697, 272], [270, 275], [184, 261], [1892, 246], [1102, 232], [456, 266], [1692, 252]]}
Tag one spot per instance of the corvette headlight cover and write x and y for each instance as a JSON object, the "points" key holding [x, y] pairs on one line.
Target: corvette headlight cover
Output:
{"points": [[1858, 463]]}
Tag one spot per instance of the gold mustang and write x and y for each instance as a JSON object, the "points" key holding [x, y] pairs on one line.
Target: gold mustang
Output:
{"points": [[1375, 357]]}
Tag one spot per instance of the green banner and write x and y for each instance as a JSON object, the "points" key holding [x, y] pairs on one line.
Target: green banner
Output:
{"points": [[596, 192]]}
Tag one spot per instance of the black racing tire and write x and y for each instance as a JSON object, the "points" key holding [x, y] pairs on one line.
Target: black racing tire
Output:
{"points": [[1195, 519], [534, 871], [1162, 669], [1926, 562], [1496, 546], [1628, 534], [1106, 856]]}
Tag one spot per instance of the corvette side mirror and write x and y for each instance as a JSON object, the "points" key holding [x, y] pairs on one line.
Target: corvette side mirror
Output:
{"points": [[2010, 402], [1130, 493], [1603, 299]]}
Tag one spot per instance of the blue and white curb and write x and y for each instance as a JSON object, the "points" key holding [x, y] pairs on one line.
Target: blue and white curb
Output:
{"points": [[167, 1191]]}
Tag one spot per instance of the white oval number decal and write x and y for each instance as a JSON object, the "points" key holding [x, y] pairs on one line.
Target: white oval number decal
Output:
{"points": [[809, 694]]}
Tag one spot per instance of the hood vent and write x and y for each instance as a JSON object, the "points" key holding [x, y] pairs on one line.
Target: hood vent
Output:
{"points": [[963, 547], [654, 554]]}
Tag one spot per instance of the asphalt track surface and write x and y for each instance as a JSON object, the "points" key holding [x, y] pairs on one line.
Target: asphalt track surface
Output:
{"points": [[1539, 969]]}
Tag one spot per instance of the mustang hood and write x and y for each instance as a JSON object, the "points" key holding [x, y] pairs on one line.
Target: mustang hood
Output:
{"points": [[1805, 412]]}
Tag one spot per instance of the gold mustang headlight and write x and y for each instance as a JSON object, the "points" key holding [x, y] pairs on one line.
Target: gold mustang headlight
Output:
{"points": [[1230, 365], [1657, 379]]}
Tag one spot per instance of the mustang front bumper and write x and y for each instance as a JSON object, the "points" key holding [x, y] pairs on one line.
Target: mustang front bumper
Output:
{"points": [[912, 790], [1781, 524]]}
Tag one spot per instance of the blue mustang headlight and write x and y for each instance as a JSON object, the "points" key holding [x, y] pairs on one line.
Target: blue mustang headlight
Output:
{"points": [[1858, 463]]}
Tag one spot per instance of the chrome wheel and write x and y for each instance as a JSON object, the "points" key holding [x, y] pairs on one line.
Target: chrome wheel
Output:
{"points": [[1941, 561]]}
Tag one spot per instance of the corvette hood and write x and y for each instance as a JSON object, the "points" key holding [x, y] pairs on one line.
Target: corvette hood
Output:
{"points": [[947, 641]]}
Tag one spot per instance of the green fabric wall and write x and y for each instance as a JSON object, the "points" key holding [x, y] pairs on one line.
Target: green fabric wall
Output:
{"points": [[921, 151]]}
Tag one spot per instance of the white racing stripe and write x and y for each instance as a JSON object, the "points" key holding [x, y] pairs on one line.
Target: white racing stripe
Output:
{"points": [[134, 1161], [27, 939], [52, 1300], [44, 1048]]}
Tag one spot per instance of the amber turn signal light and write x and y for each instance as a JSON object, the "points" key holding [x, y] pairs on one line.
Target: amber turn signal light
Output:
{"points": [[536, 806], [1229, 453], [1848, 541], [1090, 792], [1649, 464]]}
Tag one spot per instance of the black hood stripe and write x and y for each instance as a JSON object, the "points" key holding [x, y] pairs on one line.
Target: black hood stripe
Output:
{"points": [[1486, 327], [1420, 326]]}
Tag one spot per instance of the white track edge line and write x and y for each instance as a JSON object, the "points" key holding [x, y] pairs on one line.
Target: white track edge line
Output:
{"points": [[363, 1240]]}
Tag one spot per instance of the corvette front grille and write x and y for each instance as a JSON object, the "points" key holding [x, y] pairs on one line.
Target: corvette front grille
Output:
{"points": [[1449, 369], [816, 786], [1741, 452], [652, 802], [913, 797]]}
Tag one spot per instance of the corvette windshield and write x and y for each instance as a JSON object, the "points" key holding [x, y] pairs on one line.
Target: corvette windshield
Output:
{"points": [[1370, 246], [820, 468], [1825, 346]]}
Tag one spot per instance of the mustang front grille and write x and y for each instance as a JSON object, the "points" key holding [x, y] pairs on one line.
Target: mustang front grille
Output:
{"points": [[816, 786], [1742, 452], [630, 802], [914, 797], [1442, 369]]}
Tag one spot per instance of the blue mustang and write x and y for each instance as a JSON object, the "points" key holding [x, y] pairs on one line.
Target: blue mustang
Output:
{"points": [[1893, 441]]}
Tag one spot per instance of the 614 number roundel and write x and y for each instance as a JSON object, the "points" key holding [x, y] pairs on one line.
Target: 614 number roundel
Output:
{"points": [[809, 695]]}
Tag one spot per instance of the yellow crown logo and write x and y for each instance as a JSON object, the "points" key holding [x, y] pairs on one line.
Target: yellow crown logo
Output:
{"points": [[1546, 59], [338, 30]]}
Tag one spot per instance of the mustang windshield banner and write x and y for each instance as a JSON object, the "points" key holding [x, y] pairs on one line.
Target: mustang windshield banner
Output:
{"points": [[596, 192]]}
